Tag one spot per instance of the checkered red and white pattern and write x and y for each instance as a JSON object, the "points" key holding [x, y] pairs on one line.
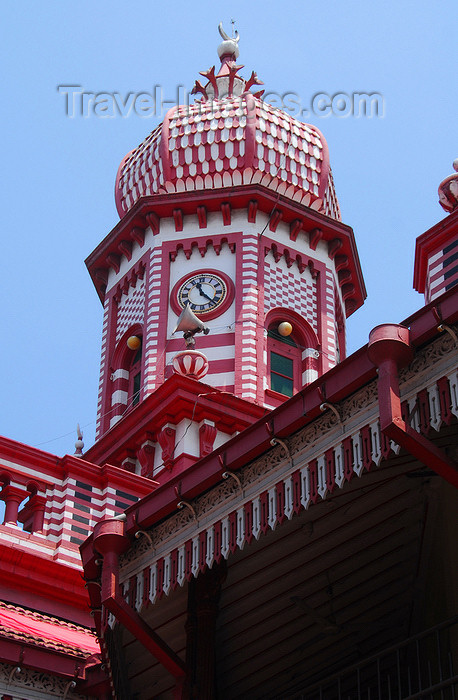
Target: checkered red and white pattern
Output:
{"points": [[288, 289], [330, 203], [131, 309], [222, 143], [140, 171]]}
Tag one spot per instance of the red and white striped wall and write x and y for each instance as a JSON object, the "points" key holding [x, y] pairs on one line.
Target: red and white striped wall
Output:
{"points": [[442, 271], [270, 268]]}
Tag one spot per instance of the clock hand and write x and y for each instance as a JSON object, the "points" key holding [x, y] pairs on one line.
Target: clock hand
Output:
{"points": [[203, 294]]}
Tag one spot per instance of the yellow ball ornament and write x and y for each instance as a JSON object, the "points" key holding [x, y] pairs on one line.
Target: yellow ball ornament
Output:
{"points": [[134, 342], [285, 328]]}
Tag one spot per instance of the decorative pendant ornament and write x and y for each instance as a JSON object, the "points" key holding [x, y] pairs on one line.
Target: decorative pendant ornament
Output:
{"points": [[285, 328], [133, 342], [190, 363]]}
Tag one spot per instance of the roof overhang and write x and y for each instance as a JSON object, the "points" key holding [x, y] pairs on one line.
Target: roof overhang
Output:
{"points": [[296, 413], [333, 578], [176, 399], [297, 216]]}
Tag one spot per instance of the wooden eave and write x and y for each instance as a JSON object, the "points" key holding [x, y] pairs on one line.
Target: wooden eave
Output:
{"points": [[338, 383], [177, 398]]}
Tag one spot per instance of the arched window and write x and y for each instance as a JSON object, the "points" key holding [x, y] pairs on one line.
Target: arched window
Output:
{"points": [[292, 359], [284, 362], [135, 377], [126, 373]]}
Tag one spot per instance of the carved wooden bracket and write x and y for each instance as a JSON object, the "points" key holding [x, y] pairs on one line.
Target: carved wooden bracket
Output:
{"points": [[202, 216], [226, 213], [153, 222], [275, 219], [315, 237], [166, 439], [178, 218], [344, 276], [333, 247], [101, 274], [252, 210], [350, 306], [207, 436], [128, 460], [348, 291], [113, 261], [145, 455], [294, 228], [138, 234], [340, 261], [125, 248]]}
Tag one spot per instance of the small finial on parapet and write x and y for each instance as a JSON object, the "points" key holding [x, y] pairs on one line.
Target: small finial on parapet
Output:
{"points": [[79, 444], [448, 190]]}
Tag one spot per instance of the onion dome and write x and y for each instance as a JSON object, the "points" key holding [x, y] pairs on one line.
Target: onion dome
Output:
{"points": [[448, 190], [229, 137]]}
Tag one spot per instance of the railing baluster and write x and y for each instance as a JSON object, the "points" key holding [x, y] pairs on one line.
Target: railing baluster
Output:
{"points": [[398, 663], [417, 647], [379, 680]]}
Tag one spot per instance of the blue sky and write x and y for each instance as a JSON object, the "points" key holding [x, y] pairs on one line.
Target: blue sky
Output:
{"points": [[59, 173]]}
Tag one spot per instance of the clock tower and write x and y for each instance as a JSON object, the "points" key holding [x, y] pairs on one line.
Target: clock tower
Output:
{"points": [[227, 208]]}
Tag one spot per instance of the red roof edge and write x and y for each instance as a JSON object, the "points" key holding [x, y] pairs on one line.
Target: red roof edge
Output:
{"points": [[341, 381]]}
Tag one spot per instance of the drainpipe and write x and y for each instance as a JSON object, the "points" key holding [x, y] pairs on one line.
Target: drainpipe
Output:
{"points": [[389, 350], [110, 541]]}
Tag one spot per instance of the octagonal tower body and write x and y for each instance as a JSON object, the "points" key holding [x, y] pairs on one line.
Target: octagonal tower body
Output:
{"points": [[239, 195]]}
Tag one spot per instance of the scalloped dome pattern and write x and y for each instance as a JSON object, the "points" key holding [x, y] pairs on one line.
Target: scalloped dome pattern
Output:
{"points": [[227, 142]]}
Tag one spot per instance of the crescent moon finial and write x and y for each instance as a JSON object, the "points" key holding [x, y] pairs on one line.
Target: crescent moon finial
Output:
{"points": [[222, 32], [229, 46]]}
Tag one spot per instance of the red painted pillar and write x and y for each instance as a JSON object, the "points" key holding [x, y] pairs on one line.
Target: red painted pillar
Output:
{"points": [[13, 497], [39, 504], [33, 513], [203, 606]]}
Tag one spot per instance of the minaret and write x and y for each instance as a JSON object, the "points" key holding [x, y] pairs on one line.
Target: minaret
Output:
{"points": [[227, 207]]}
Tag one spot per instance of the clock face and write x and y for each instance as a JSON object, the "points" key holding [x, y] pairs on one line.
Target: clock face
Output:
{"points": [[208, 294], [202, 293]]}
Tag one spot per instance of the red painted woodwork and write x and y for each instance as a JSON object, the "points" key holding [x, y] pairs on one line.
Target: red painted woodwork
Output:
{"points": [[389, 348], [110, 541], [207, 436], [166, 439]]}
